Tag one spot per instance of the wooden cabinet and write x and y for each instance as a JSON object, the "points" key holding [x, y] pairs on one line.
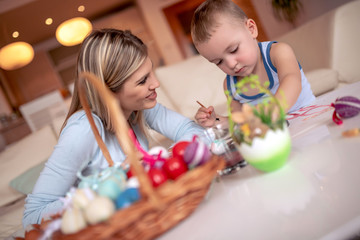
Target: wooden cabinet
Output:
{"points": [[13, 131]]}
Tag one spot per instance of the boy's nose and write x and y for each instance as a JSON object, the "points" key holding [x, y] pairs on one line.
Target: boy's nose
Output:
{"points": [[231, 63]]}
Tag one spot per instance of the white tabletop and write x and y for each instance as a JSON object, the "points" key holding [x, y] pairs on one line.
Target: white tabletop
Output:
{"points": [[316, 195]]}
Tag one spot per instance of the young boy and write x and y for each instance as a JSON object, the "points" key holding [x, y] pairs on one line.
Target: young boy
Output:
{"points": [[225, 36]]}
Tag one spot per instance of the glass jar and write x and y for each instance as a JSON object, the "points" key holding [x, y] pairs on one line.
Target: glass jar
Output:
{"points": [[223, 145]]}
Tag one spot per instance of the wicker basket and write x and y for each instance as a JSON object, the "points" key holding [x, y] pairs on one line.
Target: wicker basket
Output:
{"points": [[159, 209]]}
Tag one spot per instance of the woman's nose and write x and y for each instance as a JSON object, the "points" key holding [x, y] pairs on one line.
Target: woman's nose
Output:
{"points": [[154, 82]]}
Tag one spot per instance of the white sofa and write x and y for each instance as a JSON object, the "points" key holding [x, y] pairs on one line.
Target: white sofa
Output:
{"points": [[327, 48]]}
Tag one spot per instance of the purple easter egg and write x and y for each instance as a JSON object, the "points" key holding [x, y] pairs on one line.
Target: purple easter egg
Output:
{"points": [[347, 106], [196, 153]]}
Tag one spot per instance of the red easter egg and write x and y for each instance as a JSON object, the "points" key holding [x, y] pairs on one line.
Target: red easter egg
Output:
{"points": [[129, 174], [175, 167], [179, 149], [157, 176]]}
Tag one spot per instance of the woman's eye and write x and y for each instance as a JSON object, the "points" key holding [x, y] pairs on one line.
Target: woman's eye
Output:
{"points": [[142, 82], [219, 62]]}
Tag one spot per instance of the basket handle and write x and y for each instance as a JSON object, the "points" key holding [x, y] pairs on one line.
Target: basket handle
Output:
{"points": [[121, 132]]}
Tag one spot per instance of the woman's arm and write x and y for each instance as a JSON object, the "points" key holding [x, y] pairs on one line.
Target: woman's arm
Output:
{"points": [[75, 148], [284, 60], [172, 124]]}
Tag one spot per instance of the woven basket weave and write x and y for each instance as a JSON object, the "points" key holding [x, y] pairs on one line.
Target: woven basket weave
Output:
{"points": [[159, 209]]}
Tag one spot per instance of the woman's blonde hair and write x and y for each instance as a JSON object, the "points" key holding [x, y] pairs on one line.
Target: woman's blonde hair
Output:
{"points": [[112, 56], [204, 19]]}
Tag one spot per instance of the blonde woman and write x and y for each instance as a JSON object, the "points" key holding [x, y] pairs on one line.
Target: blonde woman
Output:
{"points": [[120, 60]]}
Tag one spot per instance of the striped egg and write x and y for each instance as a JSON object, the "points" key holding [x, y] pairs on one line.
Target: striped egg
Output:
{"points": [[196, 153], [347, 106]]}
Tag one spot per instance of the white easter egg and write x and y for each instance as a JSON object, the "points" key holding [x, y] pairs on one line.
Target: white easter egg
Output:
{"points": [[156, 150], [218, 147], [72, 221], [99, 209], [133, 182], [82, 197]]}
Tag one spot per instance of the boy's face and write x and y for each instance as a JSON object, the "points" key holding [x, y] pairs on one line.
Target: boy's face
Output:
{"points": [[232, 46]]}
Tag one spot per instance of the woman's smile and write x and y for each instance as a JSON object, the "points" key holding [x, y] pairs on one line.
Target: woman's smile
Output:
{"points": [[152, 96]]}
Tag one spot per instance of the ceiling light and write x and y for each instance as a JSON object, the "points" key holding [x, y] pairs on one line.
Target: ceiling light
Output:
{"points": [[48, 21], [81, 8], [15, 34], [16, 55], [73, 31]]}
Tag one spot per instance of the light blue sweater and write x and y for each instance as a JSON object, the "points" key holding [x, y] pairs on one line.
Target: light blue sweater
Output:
{"points": [[77, 149]]}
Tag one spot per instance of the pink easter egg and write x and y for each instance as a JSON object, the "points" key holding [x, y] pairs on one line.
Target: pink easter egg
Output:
{"points": [[196, 153]]}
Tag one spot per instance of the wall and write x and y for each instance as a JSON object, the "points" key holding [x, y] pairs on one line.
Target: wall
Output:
{"points": [[157, 24], [156, 20], [311, 10]]}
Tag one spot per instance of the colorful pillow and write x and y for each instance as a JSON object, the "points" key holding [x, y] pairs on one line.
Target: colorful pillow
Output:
{"points": [[25, 182]]}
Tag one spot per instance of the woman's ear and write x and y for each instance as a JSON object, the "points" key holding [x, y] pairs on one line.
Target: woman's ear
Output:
{"points": [[251, 26]]}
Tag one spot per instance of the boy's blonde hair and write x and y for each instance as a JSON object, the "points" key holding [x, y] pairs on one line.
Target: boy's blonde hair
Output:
{"points": [[204, 18], [112, 56]]}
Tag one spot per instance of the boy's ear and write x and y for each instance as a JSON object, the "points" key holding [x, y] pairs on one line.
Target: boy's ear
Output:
{"points": [[251, 26]]}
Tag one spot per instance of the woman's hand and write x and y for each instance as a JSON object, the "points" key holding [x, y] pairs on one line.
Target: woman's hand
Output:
{"points": [[205, 117]]}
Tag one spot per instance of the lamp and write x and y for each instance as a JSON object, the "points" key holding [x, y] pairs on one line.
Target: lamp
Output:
{"points": [[73, 31], [16, 55]]}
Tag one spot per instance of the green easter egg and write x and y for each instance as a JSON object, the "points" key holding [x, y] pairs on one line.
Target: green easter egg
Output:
{"points": [[269, 153]]}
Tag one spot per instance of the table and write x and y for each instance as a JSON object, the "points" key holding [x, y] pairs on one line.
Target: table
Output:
{"points": [[316, 195]]}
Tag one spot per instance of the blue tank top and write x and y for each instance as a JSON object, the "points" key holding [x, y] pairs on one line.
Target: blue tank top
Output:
{"points": [[305, 98]]}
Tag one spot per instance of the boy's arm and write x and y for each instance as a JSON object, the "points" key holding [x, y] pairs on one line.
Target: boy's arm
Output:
{"points": [[284, 59], [235, 105]]}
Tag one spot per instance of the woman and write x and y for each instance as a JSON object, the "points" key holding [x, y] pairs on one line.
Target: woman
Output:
{"points": [[120, 60]]}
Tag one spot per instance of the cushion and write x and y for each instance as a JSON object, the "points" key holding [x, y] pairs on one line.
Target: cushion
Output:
{"points": [[190, 80], [22, 155], [346, 40], [25, 182], [322, 80]]}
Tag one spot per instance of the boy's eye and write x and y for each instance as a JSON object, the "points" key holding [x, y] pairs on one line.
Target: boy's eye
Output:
{"points": [[219, 62], [234, 50]]}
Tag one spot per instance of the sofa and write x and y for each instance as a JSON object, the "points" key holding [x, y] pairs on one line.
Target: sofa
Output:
{"points": [[326, 47]]}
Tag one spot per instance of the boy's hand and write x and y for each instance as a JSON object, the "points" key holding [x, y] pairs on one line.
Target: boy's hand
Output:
{"points": [[205, 117]]}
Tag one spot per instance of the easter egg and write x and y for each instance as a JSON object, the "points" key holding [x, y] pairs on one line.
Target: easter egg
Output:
{"points": [[133, 194], [129, 173], [127, 197], [72, 221], [175, 167], [99, 209], [82, 197], [196, 153], [111, 183], [110, 188], [347, 106], [179, 149], [157, 176], [132, 182], [122, 202], [218, 147], [155, 151]]}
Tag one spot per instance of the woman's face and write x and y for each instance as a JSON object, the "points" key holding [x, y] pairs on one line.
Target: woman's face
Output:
{"points": [[138, 92]]}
